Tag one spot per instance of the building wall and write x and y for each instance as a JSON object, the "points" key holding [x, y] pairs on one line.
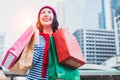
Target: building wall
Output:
{"points": [[102, 19], [2, 45], [117, 29], [97, 45], [106, 15]]}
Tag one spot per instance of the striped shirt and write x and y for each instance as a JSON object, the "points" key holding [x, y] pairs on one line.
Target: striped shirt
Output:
{"points": [[35, 72]]}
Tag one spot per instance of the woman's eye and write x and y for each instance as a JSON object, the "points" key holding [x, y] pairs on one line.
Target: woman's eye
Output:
{"points": [[43, 12], [49, 12]]}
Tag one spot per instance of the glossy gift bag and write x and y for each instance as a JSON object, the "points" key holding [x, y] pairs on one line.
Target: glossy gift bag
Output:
{"points": [[56, 71], [16, 49], [68, 50]]}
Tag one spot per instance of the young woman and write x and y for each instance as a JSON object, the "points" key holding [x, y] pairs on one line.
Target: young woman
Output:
{"points": [[47, 23]]}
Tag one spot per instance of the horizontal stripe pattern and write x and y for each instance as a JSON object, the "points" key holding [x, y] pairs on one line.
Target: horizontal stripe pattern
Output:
{"points": [[35, 73]]}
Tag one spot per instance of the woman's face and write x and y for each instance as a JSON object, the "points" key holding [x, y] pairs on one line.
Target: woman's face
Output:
{"points": [[46, 17]]}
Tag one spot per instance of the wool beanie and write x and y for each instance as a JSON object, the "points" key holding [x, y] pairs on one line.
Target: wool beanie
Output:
{"points": [[49, 7]]}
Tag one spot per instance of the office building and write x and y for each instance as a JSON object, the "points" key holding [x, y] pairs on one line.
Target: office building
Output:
{"points": [[2, 45], [105, 17], [97, 45], [117, 29], [115, 4], [101, 20]]}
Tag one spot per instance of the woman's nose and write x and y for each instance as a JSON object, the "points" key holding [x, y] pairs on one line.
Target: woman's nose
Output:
{"points": [[46, 14]]}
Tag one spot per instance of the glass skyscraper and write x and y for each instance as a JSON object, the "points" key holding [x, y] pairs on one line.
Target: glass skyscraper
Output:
{"points": [[105, 18]]}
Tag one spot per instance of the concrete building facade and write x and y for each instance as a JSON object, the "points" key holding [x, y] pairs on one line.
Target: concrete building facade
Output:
{"points": [[97, 45]]}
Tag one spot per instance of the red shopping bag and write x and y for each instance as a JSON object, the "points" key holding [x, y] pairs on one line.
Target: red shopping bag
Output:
{"points": [[14, 52], [68, 50]]}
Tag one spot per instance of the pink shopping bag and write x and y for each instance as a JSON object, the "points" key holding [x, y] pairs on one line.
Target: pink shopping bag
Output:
{"points": [[14, 52]]}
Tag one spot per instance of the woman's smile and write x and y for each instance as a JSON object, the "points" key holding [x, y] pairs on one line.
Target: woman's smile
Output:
{"points": [[46, 19]]}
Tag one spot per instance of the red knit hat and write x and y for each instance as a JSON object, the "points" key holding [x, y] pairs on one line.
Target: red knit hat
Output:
{"points": [[49, 7]]}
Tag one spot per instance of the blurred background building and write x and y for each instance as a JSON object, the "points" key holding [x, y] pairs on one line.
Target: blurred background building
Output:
{"points": [[97, 45], [109, 19], [2, 45]]}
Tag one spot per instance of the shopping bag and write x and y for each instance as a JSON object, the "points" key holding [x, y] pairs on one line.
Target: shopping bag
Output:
{"points": [[15, 50], [68, 50], [23, 64], [56, 71]]}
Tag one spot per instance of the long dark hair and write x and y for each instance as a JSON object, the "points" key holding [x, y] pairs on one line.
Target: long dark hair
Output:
{"points": [[55, 23]]}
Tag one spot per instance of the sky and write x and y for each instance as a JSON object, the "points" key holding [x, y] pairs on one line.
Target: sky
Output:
{"points": [[82, 14], [17, 15]]}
